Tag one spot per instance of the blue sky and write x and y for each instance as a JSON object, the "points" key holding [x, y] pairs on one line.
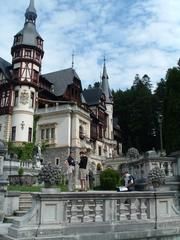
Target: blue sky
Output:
{"points": [[137, 36]]}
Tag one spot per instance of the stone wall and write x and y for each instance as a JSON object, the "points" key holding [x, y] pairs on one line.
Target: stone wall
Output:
{"points": [[100, 215]]}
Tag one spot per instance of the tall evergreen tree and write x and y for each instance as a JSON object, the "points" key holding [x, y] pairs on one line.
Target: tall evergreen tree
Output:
{"points": [[172, 110], [134, 109]]}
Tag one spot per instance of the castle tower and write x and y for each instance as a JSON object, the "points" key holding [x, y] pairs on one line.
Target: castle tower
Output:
{"points": [[109, 102], [27, 53]]}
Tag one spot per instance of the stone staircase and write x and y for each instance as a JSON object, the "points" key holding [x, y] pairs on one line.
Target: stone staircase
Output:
{"points": [[25, 203]]}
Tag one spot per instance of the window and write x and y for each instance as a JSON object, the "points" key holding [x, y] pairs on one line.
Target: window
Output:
{"points": [[99, 150], [29, 134], [39, 42], [13, 137], [57, 161], [18, 39], [42, 134], [35, 77], [17, 53], [27, 53], [81, 132], [47, 133], [37, 56], [32, 100], [3, 99], [16, 98], [16, 73], [52, 133]]}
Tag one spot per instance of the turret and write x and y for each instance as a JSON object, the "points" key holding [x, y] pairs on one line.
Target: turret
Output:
{"points": [[27, 53]]}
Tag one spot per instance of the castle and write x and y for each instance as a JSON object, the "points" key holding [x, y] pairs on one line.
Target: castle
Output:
{"points": [[54, 105]]}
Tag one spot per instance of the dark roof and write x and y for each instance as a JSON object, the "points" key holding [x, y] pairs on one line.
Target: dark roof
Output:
{"points": [[5, 67], [92, 96], [29, 34], [61, 79]]}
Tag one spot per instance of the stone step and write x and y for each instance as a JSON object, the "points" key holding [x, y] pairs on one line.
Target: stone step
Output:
{"points": [[25, 203], [20, 212], [9, 219], [56, 238]]}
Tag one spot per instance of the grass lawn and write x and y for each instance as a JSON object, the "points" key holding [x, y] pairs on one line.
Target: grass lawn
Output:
{"points": [[23, 188]]}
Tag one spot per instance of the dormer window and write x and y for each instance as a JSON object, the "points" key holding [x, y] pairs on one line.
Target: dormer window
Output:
{"points": [[39, 42], [18, 39]]}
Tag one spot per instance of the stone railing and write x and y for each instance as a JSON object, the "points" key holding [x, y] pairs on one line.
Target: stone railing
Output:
{"points": [[99, 213]]}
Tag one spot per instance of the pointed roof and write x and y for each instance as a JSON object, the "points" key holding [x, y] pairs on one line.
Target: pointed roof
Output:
{"points": [[29, 33], [31, 14], [92, 96], [5, 68], [105, 84]]}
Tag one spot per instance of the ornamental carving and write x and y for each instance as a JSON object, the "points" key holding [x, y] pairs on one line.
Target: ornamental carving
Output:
{"points": [[24, 97]]}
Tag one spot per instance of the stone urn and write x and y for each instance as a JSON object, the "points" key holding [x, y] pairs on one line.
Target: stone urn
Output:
{"points": [[156, 177], [50, 175]]}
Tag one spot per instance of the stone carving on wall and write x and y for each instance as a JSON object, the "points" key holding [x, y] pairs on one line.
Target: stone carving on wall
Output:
{"points": [[24, 97]]}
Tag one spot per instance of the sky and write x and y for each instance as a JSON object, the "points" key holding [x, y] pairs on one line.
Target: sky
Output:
{"points": [[136, 37]]}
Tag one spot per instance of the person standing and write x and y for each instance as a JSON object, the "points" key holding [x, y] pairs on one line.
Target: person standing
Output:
{"points": [[83, 170], [70, 163], [129, 181]]}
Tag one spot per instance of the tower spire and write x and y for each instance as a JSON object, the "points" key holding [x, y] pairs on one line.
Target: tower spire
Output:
{"points": [[73, 60], [31, 14], [105, 84], [104, 75]]}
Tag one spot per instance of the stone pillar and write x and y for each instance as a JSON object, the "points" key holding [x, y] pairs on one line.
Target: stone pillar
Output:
{"points": [[3, 182], [178, 165]]}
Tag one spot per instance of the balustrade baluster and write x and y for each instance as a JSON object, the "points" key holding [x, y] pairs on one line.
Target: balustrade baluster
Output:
{"points": [[123, 211], [143, 207], [86, 211], [98, 211], [74, 212], [133, 209]]}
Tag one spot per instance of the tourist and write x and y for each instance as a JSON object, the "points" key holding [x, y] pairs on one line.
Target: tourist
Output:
{"points": [[70, 163], [129, 181], [83, 170]]}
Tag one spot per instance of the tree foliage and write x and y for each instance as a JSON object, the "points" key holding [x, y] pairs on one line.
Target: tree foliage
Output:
{"points": [[172, 110], [134, 109]]}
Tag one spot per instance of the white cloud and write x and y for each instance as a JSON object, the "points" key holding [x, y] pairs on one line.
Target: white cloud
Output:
{"points": [[136, 36]]}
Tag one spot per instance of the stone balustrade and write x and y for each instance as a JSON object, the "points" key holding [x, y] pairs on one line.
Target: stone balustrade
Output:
{"points": [[79, 214]]}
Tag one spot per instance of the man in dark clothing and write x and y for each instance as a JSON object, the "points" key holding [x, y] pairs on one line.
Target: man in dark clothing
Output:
{"points": [[83, 170]]}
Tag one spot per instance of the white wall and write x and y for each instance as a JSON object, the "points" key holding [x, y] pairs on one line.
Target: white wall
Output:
{"points": [[5, 127]]}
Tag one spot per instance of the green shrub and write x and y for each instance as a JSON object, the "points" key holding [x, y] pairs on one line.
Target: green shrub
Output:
{"points": [[20, 171], [109, 179]]}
